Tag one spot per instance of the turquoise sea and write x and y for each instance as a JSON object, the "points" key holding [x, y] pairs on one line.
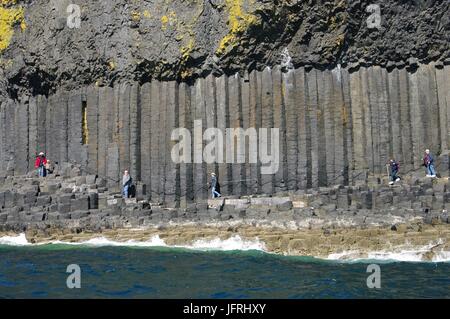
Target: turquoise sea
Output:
{"points": [[154, 272]]}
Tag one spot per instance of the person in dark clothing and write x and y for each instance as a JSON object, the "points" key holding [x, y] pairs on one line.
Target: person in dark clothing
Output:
{"points": [[40, 164], [394, 168], [428, 162], [215, 186]]}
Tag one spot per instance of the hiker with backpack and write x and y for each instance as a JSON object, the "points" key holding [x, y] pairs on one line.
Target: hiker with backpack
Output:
{"points": [[428, 162], [40, 164], [394, 167]]}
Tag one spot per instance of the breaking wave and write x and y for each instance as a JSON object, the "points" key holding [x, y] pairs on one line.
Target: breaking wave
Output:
{"points": [[237, 243], [19, 240], [410, 254], [232, 243]]}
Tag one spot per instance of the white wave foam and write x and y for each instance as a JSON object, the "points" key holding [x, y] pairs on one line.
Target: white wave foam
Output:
{"points": [[19, 240], [155, 241], [410, 254], [405, 253], [232, 243]]}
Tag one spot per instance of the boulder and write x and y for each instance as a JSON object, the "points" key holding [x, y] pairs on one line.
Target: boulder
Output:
{"points": [[80, 203], [64, 208], [65, 198], [79, 214], [43, 200], [285, 206]]}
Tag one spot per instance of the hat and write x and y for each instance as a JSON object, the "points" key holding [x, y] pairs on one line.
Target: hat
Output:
{"points": [[41, 153], [213, 173]]}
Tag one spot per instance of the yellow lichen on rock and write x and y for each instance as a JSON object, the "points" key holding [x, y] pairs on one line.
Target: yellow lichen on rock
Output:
{"points": [[164, 21], [168, 19], [112, 65], [6, 2], [9, 17], [186, 50], [187, 73], [185, 54], [238, 22], [146, 14], [136, 16]]}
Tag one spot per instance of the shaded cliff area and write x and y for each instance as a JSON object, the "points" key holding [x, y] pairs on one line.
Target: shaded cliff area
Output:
{"points": [[141, 40]]}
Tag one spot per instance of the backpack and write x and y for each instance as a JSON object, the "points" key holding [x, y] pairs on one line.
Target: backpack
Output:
{"points": [[217, 187], [397, 166]]}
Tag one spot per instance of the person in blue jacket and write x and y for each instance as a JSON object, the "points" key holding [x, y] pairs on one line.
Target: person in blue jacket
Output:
{"points": [[126, 184], [394, 168], [428, 162], [215, 186]]}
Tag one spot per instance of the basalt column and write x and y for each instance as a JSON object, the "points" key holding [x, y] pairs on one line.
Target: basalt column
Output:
{"points": [[155, 112], [222, 100], [171, 174], [266, 147], [304, 168], [76, 150], [145, 140], [185, 122], [135, 131], [32, 131], [42, 124], [21, 128], [289, 137], [92, 117], [235, 153], [211, 123], [281, 177], [198, 113]]}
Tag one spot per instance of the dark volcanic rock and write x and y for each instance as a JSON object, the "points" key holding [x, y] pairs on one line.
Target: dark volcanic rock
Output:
{"points": [[138, 40]]}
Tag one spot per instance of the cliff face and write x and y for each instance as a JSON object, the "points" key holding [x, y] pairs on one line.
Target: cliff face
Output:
{"points": [[108, 95], [335, 127], [140, 40]]}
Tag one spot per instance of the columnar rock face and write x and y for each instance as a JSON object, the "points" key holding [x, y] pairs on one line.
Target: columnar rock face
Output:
{"points": [[105, 84], [335, 127]]}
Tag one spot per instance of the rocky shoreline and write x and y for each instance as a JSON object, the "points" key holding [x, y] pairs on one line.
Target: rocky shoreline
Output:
{"points": [[353, 221], [430, 243]]}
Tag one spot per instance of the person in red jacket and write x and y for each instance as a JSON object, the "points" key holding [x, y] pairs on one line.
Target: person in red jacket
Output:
{"points": [[40, 163]]}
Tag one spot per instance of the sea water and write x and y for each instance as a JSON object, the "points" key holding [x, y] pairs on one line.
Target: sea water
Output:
{"points": [[215, 269]]}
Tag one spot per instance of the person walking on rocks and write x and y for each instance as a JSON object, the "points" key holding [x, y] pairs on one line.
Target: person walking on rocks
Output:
{"points": [[40, 164], [393, 173], [428, 162], [215, 186], [126, 183]]}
